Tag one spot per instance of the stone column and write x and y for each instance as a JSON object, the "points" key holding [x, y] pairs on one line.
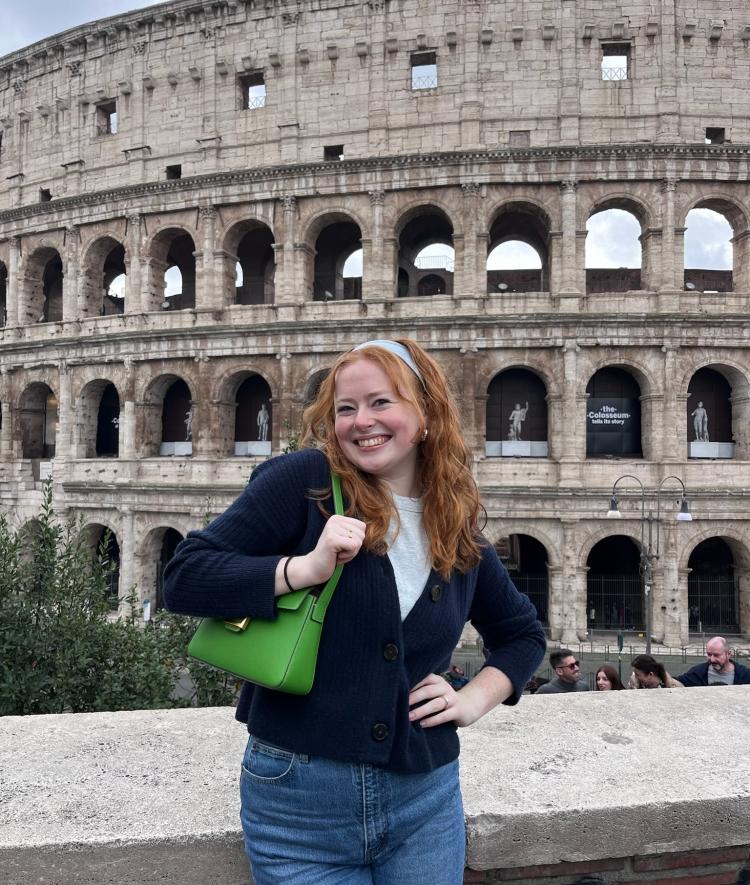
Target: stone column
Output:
{"points": [[469, 281], [6, 417], [652, 426], [470, 110], [570, 612], [555, 602], [572, 433], [377, 275], [572, 285], [669, 281], [741, 270], [133, 266], [740, 403], [209, 294], [377, 115], [569, 86], [71, 308], [669, 605], [666, 92], [471, 430], [66, 416], [127, 430], [284, 254], [743, 576], [286, 84], [127, 555], [13, 292], [673, 421]]}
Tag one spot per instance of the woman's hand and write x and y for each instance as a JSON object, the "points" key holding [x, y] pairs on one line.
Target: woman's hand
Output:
{"points": [[440, 703], [340, 541]]}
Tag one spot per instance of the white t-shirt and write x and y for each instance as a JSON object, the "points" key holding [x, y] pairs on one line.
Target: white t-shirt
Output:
{"points": [[409, 552]]}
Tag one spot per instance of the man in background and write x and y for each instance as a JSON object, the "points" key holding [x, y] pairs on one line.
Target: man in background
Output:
{"points": [[568, 674], [719, 668]]}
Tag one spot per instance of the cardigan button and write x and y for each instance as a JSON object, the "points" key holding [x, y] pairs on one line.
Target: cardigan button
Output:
{"points": [[380, 731], [390, 652], [436, 591]]}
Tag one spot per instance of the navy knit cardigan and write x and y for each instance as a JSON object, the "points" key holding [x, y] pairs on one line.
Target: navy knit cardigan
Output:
{"points": [[358, 708]]}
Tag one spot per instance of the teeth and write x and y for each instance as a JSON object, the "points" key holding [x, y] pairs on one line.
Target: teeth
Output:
{"points": [[375, 441]]}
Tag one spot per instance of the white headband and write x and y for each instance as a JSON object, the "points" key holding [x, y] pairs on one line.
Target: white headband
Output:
{"points": [[397, 350]]}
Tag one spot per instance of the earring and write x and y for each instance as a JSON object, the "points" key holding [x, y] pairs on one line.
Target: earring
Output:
{"points": [[424, 435]]}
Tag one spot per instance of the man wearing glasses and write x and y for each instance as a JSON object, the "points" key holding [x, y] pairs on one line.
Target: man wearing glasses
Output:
{"points": [[568, 671]]}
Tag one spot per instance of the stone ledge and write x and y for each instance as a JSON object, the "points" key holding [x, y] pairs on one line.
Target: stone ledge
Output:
{"points": [[151, 796]]}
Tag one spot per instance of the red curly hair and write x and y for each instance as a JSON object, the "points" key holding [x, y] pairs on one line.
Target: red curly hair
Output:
{"points": [[450, 495]]}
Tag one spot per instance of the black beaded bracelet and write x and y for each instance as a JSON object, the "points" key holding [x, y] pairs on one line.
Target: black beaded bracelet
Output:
{"points": [[286, 575]]}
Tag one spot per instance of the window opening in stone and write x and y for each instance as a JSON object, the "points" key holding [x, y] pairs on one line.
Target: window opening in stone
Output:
{"points": [[352, 272], [615, 61], [114, 280], [108, 424], [167, 550], [514, 266], [45, 195], [253, 427], [52, 291], [333, 152], [253, 88], [713, 589], [426, 255], [424, 73], [174, 172], [526, 561], [255, 267], [613, 252], [709, 252], [333, 246], [3, 294], [613, 415], [614, 587], [39, 414], [709, 415], [172, 289], [715, 135], [310, 392], [518, 250], [177, 420], [106, 118], [516, 415], [106, 549]]}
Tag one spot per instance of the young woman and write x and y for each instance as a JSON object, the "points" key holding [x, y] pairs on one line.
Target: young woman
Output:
{"points": [[357, 782], [649, 673], [608, 679]]}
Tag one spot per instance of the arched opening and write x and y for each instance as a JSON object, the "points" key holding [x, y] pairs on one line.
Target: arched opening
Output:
{"points": [[709, 415], [169, 541], [255, 267], [713, 589], [614, 588], [177, 420], [104, 279], [3, 294], [426, 254], [517, 415], [613, 251], [709, 253], [253, 425], [526, 561], [613, 415], [352, 272], [104, 547], [518, 250], [172, 271], [336, 242], [39, 416], [108, 424], [43, 287], [312, 387]]}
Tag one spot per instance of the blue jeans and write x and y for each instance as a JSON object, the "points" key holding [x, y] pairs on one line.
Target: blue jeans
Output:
{"points": [[309, 820]]}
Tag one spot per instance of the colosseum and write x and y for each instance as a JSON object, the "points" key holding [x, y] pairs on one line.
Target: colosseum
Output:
{"points": [[202, 203]]}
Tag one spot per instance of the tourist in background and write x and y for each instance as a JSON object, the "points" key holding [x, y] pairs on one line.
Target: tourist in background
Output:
{"points": [[649, 673], [567, 674], [608, 679], [718, 669]]}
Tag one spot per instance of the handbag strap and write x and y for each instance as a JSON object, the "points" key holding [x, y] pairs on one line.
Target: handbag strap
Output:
{"points": [[322, 602]]}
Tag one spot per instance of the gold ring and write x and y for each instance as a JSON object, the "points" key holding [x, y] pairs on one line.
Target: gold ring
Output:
{"points": [[445, 698]]}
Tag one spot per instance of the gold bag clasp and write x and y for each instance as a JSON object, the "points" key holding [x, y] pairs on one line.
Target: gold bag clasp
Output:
{"points": [[237, 625]]}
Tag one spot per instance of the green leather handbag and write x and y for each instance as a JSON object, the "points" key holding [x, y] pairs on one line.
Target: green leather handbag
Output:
{"points": [[279, 654]]}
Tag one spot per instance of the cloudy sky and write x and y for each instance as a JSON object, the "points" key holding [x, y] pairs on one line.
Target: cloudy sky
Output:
{"points": [[26, 21]]}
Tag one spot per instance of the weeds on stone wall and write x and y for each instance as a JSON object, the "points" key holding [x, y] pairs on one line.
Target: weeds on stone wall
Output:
{"points": [[60, 650]]}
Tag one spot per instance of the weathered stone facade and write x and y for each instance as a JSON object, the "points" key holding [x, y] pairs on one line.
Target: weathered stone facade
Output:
{"points": [[137, 144]]}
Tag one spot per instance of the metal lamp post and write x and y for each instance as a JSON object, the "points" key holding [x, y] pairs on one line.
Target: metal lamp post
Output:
{"points": [[647, 553]]}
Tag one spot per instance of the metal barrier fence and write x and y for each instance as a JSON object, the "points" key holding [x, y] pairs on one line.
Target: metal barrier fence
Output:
{"points": [[713, 604]]}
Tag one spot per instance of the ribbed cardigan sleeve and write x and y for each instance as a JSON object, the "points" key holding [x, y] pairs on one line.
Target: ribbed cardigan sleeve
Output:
{"points": [[506, 620], [228, 569]]}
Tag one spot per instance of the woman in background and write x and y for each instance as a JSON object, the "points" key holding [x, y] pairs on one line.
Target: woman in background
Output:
{"points": [[608, 679], [649, 673]]}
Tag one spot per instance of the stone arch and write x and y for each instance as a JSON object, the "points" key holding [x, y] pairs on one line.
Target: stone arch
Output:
{"points": [[154, 552], [97, 426], [38, 410], [41, 280], [623, 277], [103, 261], [718, 591], [614, 586], [93, 535], [170, 246], [418, 228], [613, 414], [162, 417], [248, 251], [731, 437], [502, 361], [312, 384], [713, 279], [523, 221], [243, 394], [329, 238], [517, 414], [521, 553]]}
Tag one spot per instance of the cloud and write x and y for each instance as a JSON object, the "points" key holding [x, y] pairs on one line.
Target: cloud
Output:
{"points": [[34, 20], [707, 240]]}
